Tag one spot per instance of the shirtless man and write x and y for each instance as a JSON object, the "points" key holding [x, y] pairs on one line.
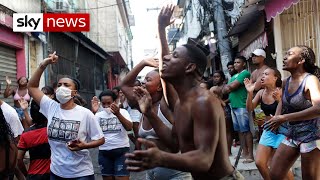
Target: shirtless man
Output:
{"points": [[199, 124], [258, 57]]}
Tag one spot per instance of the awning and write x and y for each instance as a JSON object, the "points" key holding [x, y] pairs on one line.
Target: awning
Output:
{"points": [[275, 7], [248, 16], [261, 42]]}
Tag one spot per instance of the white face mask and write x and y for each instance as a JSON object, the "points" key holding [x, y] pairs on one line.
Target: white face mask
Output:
{"points": [[108, 110], [63, 94]]}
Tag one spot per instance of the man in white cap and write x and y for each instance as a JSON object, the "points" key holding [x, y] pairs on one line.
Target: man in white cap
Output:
{"points": [[258, 57]]}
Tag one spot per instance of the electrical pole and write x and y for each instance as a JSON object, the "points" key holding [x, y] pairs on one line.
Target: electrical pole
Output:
{"points": [[223, 43]]}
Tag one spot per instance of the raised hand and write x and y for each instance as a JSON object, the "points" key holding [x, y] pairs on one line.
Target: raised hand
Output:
{"points": [[249, 85], [152, 62], [23, 104], [141, 160], [164, 18], [95, 104], [52, 59], [276, 94], [114, 109], [143, 98], [8, 80]]}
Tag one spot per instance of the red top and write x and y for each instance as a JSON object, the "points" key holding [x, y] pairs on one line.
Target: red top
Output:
{"points": [[35, 140]]}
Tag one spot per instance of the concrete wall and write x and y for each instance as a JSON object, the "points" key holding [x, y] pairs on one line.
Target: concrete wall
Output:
{"points": [[26, 6], [108, 28], [192, 26]]}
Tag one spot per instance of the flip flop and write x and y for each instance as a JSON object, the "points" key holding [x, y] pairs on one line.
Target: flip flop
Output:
{"points": [[249, 160]]}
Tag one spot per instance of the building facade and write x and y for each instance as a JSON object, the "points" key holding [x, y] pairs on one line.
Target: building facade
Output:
{"points": [[20, 53]]}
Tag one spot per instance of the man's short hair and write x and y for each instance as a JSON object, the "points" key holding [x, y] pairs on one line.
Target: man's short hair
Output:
{"points": [[230, 63], [197, 56], [242, 58], [108, 92]]}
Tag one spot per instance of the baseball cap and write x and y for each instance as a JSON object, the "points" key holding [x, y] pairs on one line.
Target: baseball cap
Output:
{"points": [[259, 52]]}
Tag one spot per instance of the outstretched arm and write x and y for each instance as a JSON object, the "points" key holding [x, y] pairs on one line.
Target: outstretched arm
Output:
{"points": [[206, 120], [33, 85], [127, 83], [164, 20]]}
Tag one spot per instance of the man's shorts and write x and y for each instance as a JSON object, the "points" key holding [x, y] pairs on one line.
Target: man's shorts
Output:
{"points": [[240, 119], [112, 162], [304, 147]]}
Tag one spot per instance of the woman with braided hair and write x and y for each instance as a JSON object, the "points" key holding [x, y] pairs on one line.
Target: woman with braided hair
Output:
{"points": [[8, 149], [299, 110]]}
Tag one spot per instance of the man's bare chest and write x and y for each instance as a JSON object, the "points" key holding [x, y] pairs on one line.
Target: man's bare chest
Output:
{"points": [[183, 123]]}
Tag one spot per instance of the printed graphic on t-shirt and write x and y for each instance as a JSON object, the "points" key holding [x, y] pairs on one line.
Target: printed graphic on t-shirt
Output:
{"points": [[110, 125], [63, 130]]}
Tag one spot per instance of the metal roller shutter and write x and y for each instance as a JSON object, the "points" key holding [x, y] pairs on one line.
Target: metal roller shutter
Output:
{"points": [[8, 67]]}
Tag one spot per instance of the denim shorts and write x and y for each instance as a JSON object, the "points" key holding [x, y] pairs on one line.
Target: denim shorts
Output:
{"points": [[112, 162], [240, 119]]}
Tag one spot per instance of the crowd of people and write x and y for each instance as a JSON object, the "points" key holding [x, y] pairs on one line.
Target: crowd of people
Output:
{"points": [[182, 127]]}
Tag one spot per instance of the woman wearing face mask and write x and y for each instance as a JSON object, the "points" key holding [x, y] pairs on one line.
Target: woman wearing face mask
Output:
{"points": [[70, 127], [114, 122]]}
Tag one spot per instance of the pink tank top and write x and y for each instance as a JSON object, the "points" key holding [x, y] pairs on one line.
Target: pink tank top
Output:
{"points": [[17, 97]]}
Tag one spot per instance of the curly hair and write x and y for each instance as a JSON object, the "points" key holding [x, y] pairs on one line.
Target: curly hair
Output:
{"points": [[6, 135], [310, 59]]}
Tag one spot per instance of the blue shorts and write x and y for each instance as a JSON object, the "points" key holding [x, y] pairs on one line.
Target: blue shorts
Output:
{"points": [[271, 139], [20, 112], [240, 119], [112, 162]]}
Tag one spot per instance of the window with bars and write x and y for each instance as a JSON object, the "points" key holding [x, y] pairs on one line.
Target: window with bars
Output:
{"points": [[300, 26]]}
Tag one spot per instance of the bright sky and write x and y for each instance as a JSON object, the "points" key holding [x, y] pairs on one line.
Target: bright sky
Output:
{"points": [[145, 29]]}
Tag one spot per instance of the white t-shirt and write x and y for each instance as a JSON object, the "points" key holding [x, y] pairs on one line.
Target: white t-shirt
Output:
{"points": [[134, 114], [12, 118], [114, 133], [64, 126]]}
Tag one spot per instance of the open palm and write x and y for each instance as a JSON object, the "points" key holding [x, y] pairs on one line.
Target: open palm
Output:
{"points": [[23, 104], [249, 85], [143, 98], [8, 80], [95, 104]]}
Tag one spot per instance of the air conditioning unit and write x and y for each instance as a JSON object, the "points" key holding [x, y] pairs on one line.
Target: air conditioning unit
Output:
{"points": [[61, 6]]}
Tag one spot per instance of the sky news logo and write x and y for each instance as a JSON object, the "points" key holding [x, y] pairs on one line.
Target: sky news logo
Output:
{"points": [[39, 22]]}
